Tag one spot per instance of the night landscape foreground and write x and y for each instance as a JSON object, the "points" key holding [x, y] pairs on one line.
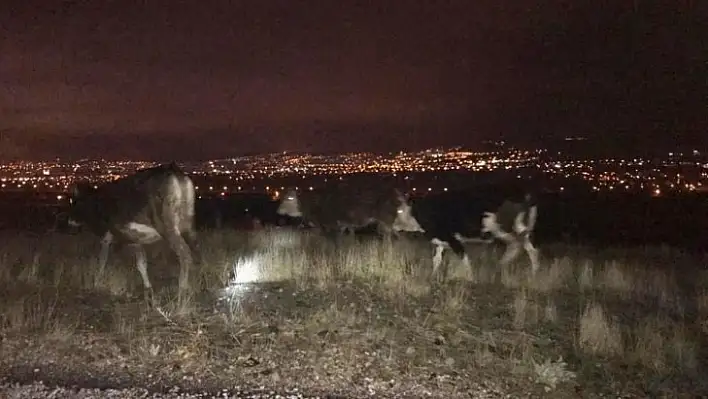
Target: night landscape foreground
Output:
{"points": [[356, 317]]}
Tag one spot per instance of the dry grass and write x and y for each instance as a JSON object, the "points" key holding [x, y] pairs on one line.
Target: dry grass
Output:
{"points": [[362, 313], [599, 335]]}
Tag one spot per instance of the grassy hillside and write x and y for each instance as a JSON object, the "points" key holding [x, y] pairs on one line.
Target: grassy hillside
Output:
{"points": [[286, 309]]}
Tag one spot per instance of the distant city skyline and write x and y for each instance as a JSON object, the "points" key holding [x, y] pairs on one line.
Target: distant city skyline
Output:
{"points": [[658, 176]]}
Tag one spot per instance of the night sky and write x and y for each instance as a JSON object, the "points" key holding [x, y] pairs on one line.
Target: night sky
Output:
{"points": [[169, 80]]}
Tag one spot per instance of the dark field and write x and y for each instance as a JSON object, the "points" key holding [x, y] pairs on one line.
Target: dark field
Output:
{"points": [[280, 309]]}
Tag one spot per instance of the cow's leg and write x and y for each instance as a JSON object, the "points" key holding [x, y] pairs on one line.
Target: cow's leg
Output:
{"points": [[532, 252], [512, 251], [395, 234], [178, 244], [438, 253], [141, 264], [386, 231], [437, 258], [190, 237], [103, 254]]}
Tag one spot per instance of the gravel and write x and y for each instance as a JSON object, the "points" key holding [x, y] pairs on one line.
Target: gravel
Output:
{"points": [[40, 390]]}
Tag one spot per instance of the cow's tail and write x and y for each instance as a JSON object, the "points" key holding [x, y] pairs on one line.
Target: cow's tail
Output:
{"points": [[186, 206], [189, 193]]}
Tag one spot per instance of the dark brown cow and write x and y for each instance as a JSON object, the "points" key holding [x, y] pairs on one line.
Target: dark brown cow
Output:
{"points": [[152, 204], [344, 207]]}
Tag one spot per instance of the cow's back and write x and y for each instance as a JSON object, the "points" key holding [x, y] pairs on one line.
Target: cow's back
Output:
{"points": [[162, 197], [461, 211], [447, 213], [367, 203], [319, 207], [353, 205]]}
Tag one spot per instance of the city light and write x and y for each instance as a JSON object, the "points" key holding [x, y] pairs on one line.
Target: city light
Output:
{"points": [[270, 173]]}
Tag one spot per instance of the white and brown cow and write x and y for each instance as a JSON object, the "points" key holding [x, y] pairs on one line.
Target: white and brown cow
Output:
{"points": [[142, 208]]}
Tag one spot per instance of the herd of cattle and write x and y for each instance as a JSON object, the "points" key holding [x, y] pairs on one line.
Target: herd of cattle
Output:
{"points": [[159, 203]]}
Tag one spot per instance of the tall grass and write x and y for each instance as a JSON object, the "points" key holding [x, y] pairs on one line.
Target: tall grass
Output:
{"points": [[621, 308]]}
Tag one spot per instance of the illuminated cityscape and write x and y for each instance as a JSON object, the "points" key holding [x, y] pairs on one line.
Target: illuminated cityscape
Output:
{"points": [[674, 173]]}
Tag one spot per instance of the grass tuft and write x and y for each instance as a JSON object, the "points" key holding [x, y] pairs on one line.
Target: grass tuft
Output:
{"points": [[598, 335]]}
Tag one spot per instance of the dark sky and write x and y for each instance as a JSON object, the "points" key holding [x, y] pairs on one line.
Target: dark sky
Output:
{"points": [[180, 79]]}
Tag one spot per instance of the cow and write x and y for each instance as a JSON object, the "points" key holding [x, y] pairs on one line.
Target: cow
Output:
{"points": [[482, 214], [151, 204], [342, 208]]}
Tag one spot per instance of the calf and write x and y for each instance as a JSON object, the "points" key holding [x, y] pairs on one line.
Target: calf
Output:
{"points": [[482, 215], [342, 208], [152, 204]]}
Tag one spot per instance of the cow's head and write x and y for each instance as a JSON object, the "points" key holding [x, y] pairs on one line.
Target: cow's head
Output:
{"points": [[405, 221], [290, 205], [79, 203]]}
